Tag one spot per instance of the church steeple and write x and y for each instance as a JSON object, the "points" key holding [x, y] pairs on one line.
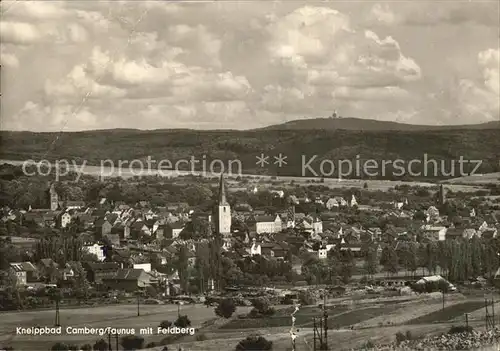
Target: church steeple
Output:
{"points": [[223, 215], [222, 192]]}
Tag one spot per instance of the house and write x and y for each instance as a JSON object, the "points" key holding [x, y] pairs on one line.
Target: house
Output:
{"points": [[266, 224], [25, 272], [278, 193], [73, 205], [129, 280], [317, 225], [64, 220], [255, 249], [173, 230], [102, 227], [95, 249], [332, 203], [434, 233], [354, 202], [323, 252], [139, 228], [146, 267], [96, 272]]}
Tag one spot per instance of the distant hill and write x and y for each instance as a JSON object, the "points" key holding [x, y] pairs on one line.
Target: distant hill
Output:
{"points": [[370, 125]]}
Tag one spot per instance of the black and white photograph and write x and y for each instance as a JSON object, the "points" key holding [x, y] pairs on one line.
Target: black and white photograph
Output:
{"points": [[249, 175]]}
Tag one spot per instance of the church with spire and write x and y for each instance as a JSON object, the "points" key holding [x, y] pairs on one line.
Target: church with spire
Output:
{"points": [[223, 211]]}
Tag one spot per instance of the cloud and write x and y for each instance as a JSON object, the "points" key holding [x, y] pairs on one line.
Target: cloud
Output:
{"points": [[52, 117], [8, 59], [236, 65], [319, 58], [18, 33], [484, 13], [489, 61]]}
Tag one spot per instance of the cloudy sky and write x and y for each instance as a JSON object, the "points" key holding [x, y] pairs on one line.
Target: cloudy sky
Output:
{"points": [[79, 65]]}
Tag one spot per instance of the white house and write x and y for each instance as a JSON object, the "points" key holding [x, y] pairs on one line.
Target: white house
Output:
{"points": [[279, 193], [95, 249], [331, 203], [65, 219], [267, 224], [434, 232], [317, 226], [354, 202], [323, 253], [255, 249], [146, 267]]}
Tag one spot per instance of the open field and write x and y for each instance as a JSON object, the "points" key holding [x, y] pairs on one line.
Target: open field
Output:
{"points": [[477, 179], [370, 319], [449, 313], [382, 185], [119, 316]]}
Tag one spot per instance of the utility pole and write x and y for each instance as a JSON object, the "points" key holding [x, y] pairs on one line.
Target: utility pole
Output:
{"points": [[325, 316], [493, 311], [314, 334], [109, 342], [116, 338], [138, 303]]}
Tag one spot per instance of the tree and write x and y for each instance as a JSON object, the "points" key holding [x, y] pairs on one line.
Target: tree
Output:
{"points": [[59, 347], [371, 262], [254, 343], [390, 260], [261, 307], [226, 308], [101, 345], [165, 324], [182, 267], [132, 342], [81, 285], [182, 322]]}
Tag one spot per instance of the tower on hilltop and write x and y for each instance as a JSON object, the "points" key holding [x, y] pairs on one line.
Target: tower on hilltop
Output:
{"points": [[223, 215]]}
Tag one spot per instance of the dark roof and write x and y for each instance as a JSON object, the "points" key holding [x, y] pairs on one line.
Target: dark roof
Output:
{"points": [[265, 218], [23, 267], [128, 274], [101, 266]]}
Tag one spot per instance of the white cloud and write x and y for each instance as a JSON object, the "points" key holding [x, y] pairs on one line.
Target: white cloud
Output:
{"points": [[8, 59], [322, 60], [484, 13], [18, 33], [53, 118], [489, 61], [233, 65]]}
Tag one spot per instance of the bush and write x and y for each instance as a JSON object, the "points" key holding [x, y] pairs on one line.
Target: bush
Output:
{"points": [[151, 344], [460, 329], [400, 337], [201, 337], [132, 342], [86, 347], [254, 343], [182, 322], [306, 298], [262, 307], [60, 347], [369, 345], [101, 345], [165, 324], [225, 308]]}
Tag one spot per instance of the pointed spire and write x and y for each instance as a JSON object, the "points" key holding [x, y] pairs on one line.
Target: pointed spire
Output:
{"points": [[222, 191]]}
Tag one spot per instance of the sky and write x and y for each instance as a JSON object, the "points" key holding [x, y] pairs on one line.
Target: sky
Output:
{"points": [[85, 65]]}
